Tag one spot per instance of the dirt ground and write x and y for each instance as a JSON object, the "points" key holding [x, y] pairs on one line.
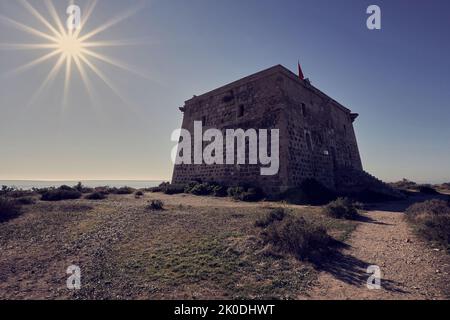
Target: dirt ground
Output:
{"points": [[206, 248], [410, 268]]}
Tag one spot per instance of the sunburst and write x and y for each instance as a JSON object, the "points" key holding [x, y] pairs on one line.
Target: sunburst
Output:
{"points": [[69, 47]]}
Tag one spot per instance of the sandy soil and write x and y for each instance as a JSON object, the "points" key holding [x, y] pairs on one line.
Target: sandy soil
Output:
{"points": [[410, 268]]}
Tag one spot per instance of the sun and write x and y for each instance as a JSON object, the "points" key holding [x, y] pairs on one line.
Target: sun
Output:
{"points": [[69, 47]]}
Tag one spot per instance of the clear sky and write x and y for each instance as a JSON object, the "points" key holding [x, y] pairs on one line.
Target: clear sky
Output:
{"points": [[397, 79]]}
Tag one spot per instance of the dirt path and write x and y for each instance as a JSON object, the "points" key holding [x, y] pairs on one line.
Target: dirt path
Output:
{"points": [[410, 268]]}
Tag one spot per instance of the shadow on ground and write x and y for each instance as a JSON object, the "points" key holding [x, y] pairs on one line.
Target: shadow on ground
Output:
{"points": [[350, 269], [402, 205]]}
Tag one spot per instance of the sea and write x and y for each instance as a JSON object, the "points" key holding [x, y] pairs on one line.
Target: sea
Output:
{"points": [[29, 184]]}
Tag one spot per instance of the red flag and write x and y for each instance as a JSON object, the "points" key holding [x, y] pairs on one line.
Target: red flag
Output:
{"points": [[300, 72]]}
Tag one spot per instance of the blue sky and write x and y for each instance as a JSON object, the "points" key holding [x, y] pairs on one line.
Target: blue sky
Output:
{"points": [[396, 78]]}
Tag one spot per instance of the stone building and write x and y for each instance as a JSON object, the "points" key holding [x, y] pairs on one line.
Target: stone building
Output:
{"points": [[317, 138]]}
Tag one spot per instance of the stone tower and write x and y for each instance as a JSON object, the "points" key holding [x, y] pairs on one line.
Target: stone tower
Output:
{"points": [[317, 138]]}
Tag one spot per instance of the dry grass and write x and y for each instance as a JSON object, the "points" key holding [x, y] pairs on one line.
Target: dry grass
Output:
{"points": [[196, 248]]}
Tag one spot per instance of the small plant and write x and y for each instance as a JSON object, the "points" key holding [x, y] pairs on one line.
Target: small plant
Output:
{"points": [[96, 196], [81, 188], [174, 189], [431, 221], [219, 191], [244, 193], [5, 190], [124, 190], [156, 205], [8, 209], [61, 194], [277, 214], [342, 208], [139, 194], [201, 189], [299, 237]]}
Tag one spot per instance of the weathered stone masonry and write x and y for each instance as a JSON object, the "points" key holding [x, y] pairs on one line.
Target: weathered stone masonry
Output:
{"points": [[317, 138]]}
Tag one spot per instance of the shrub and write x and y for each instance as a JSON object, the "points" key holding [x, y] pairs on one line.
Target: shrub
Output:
{"points": [[201, 189], [26, 201], [432, 207], [174, 189], [277, 214], [61, 194], [244, 193], [190, 185], [124, 190], [41, 191], [235, 192], [20, 194], [80, 188], [5, 190], [310, 192], [96, 196], [404, 184], [431, 221], [342, 208], [427, 190], [139, 193], [219, 191], [299, 237], [8, 209], [66, 188], [156, 205]]}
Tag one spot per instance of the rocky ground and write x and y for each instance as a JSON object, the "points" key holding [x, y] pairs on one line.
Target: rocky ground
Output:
{"points": [[200, 248]]}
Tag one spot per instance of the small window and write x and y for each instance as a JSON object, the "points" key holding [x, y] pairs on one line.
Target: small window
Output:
{"points": [[241, 111], [345, 128], [204, 120], [304, 109]]}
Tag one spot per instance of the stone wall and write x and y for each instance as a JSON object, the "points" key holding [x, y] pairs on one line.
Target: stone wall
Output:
{"points": [[316, 132]]}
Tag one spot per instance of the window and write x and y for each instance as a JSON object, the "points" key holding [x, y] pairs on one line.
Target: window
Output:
{"points": [[304, 109], [204, 120], [241, 111], [345, 128]]}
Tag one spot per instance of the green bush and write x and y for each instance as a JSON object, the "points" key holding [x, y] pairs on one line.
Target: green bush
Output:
{"points": [[61, 194], [310, 192], [277, 214], [8, 209], [342, 208], [139, 193], [156, 205], [201, 189], [244, 193], [299, 237], [431, 221], [96, 196], [219, 191], [174, 189]]}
